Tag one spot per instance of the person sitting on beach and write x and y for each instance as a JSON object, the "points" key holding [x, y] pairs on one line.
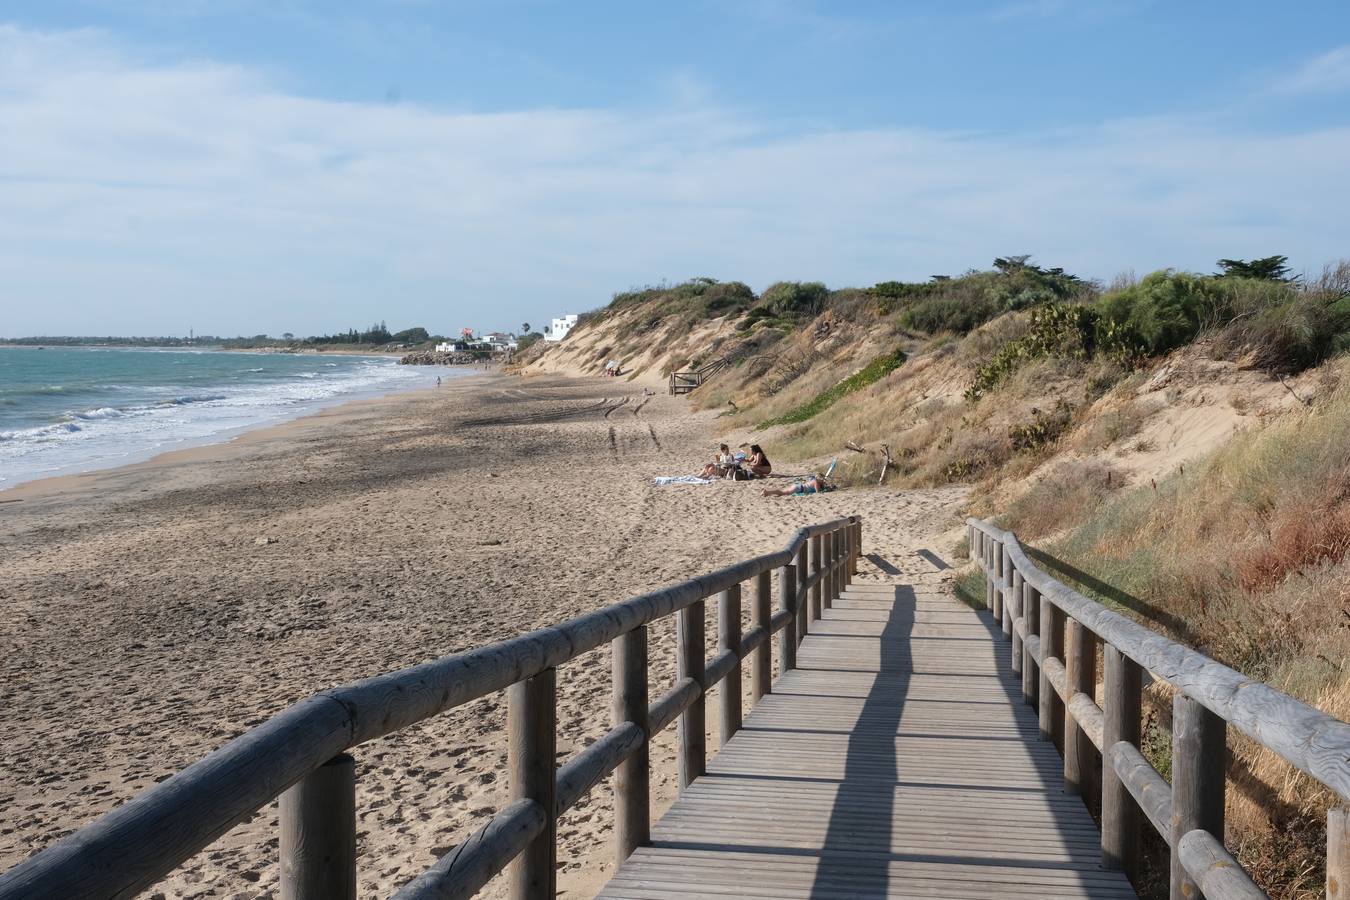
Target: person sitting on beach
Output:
{"points": [[758, 463], [720, 466], [816, 484]]}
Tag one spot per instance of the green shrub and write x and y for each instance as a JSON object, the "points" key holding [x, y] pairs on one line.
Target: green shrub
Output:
{"points": [[871, 373], [962, 304], [1056, 329], [1160, 313]]}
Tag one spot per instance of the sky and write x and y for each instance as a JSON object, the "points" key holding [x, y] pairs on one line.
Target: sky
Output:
{"points": [[270, 166]]}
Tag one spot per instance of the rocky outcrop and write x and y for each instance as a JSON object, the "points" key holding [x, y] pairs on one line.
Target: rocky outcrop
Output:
{"points": [[432, 358]]}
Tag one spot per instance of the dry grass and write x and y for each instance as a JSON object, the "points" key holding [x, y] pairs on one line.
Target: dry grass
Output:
{"points": [[1250, 551]]}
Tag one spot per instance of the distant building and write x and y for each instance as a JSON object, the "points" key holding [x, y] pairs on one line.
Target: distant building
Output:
{"points": [[561, 328], [499, 340], [452, 347]]}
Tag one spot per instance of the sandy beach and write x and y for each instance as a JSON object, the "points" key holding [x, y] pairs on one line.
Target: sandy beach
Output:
{"points": [[152, 613]]}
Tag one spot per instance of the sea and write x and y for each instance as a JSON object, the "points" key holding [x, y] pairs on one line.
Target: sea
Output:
{"points": [[75, 409]]}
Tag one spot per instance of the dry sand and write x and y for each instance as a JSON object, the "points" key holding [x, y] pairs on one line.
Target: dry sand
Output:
{"points": [[152, 613]]}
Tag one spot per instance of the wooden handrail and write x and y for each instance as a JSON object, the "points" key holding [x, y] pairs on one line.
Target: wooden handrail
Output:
{"points": [[133, 846], [1188, 814]]}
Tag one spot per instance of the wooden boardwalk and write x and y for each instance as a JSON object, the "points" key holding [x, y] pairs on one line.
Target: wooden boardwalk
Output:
{"points": [[898, 760]]}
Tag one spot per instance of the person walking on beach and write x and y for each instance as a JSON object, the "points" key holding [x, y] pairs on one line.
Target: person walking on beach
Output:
{"points": [[438, 381]]}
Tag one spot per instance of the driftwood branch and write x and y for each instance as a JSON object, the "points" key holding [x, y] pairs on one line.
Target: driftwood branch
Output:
{"points": [[887, 462]]}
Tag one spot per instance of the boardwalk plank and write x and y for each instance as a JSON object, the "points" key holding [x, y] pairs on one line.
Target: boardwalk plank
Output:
{"points": [[898, 760]]}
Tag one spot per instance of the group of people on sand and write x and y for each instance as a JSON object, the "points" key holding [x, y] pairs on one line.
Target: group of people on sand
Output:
{"points": [[751, 462]]}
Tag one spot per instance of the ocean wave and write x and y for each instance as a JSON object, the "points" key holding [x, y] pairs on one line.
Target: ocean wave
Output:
{"points": [[193, 398], [40, 432], [103, 412]]}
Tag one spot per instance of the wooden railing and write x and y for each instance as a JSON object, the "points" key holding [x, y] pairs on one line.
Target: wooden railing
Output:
{"points": [[300, 754], [1103, 762], [684, 382]]}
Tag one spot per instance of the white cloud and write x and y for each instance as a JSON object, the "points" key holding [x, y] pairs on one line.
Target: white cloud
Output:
{"points": [[143, 197], [1327, 73]]}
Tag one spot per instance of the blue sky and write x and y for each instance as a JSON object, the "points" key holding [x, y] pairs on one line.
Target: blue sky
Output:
{"points": [[239, 166]]}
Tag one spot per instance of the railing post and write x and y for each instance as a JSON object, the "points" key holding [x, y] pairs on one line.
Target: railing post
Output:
{"points": [[318, 833], [1080, 763], [531, 770], [787, 599], [632, 788], [761, 674], [846, 543], [729, 638], [996, 579], [1004, 586], [1052, 647], [802, 604], [817, 589], [857, 544], [1338, 854], [689, 631], [1199, 751], [1015, 602], [1031, 614], [827, 549], [1120, 722]]}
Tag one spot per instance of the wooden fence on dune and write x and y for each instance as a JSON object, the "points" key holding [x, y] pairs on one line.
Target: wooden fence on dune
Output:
{"points": [[1055, 634]]}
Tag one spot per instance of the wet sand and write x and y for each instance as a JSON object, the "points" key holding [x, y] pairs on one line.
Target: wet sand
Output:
{"points": [[152, 613]]}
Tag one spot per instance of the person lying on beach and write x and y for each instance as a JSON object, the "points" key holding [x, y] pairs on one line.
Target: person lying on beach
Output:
{"points": [[723, 463], [758, 463], [816, 484]]}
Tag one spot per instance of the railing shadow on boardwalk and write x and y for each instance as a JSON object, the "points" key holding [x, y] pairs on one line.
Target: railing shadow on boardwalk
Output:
{"points": [[857, 845], [857, 849]]}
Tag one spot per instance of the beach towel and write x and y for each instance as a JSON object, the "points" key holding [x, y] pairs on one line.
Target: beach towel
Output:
{"points": [[679, 479]]}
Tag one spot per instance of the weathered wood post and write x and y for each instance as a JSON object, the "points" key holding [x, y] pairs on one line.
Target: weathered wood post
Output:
{"points": [[1081, 770], [996, 579], [1031, 614], [803, 604], [531, 762], [690, 637], [990, 574], [1199, 761], [1015, 602], [787, 599], [1120, 722], [1338, 854], [846, 541], [761, 674], [1052, 647], [632, 777], [817, 589], [1004, 590], [857, 545], [827, 546], [729, 639], [318, 833], [840, 556]]}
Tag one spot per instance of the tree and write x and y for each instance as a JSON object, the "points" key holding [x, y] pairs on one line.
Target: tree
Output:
{"points": [[524, 327], [416, 335], [288, 336], [1268, 268]]}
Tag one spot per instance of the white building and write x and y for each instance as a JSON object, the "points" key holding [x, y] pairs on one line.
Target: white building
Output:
{"points": [[452, 347], [499, 340], [560, 328]]}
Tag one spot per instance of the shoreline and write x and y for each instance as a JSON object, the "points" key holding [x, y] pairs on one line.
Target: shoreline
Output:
{"points": [[189, 449], [228, 446]]}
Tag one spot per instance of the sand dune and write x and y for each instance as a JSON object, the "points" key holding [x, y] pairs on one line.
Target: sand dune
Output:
{"points": [[152, 613]]}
